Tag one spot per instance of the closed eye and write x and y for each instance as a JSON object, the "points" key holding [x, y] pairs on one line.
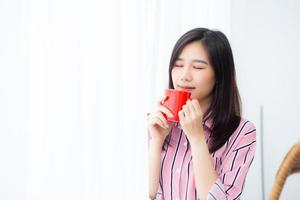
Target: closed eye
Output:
{"points": [[198, 67], [178, 65]]}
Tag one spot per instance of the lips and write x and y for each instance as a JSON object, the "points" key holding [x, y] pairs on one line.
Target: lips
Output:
{"points": [[185, 87]]}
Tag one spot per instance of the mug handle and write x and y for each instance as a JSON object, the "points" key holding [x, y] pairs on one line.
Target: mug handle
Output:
{"points": [[163, 101], [162, 104]]}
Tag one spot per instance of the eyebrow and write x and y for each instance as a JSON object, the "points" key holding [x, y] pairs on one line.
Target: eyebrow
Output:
{"points": [[195, 60]]}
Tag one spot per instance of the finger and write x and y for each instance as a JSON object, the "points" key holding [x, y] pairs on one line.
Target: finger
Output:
{"points": [[181, 116], [186, 111], [196, 105], [191, 107], [158, 121], [165, 110], [162, 118]]}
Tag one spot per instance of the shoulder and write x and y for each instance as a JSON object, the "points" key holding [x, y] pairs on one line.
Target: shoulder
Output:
{"points": [[245, 125], [245, 133]]}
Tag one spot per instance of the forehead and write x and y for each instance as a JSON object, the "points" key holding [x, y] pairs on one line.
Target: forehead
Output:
{"points": [[192, 51]]}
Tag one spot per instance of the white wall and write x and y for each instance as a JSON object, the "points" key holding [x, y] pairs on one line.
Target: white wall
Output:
{"points": [[266, 45]]}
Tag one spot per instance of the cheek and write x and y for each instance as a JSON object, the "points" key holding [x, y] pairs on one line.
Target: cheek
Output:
{"points": [[207, 81], [173, 75], [211, 81], [210, 78]]}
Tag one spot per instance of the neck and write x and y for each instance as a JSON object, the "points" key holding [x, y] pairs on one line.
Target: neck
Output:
{"points": [[205, 104]]}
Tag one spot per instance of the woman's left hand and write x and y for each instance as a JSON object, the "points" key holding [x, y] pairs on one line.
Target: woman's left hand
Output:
{"points": [[191, 117]]}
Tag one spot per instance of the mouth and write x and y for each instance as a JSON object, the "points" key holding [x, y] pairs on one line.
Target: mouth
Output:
{"points": [[185, 87]]}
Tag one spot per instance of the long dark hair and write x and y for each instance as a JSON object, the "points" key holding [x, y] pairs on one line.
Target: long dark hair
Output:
{"points": [[225, 107]]}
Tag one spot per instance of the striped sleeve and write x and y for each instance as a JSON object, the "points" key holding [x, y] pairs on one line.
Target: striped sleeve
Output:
{"points": [[237, 160]]}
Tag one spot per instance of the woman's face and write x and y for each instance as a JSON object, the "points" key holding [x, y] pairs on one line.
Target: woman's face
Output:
{"points": [[192, 71]]}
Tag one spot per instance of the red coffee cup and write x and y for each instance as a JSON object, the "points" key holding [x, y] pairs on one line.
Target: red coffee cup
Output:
{"points": [[174, 100]]}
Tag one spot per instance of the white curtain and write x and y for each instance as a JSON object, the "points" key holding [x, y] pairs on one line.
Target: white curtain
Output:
{"points": [[77, 79]]}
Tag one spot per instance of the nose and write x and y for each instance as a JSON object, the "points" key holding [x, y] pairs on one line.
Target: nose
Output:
{"points": [[186, 74]]}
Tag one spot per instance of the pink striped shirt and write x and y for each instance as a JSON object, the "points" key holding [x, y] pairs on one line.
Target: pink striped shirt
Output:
{"points": [[232, 162]]}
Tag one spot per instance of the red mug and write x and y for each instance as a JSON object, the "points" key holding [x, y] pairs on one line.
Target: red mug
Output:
{"points": [[174, 100]]}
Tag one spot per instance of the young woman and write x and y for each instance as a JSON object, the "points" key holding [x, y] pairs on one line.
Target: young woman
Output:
{"points": [[207, 154]]}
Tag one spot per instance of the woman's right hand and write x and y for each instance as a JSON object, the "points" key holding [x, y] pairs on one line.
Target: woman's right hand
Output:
{"points": [[158, 126]]}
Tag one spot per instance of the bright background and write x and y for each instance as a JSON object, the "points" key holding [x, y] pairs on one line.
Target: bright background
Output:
{"points": [[78, 77]]}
